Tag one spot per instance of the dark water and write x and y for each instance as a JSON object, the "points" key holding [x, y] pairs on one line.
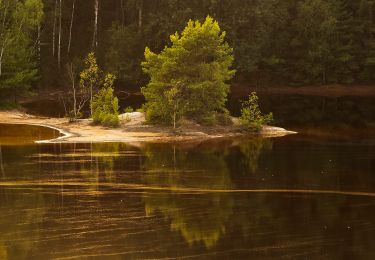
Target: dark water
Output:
{"points": [[25, 134], [289, 110], [313, 111], [298, 197]]}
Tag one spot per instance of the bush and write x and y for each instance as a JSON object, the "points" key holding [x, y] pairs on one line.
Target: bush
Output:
{"points": [[110, 120], [128, 110], [224, 118], [105, 108], [251, 116], [208, 119]]}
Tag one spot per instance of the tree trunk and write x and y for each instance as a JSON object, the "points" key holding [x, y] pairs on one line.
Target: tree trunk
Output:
{"points": [[95, 35], [1, 58], [74, 100], [54, 30], [140, 15], [91, 98], [122, 13], [71, 27], [174, 116], [1, 163], [39, 42], [71, 74], [59, 46]]}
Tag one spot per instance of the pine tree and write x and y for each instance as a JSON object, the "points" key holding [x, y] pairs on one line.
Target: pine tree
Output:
{"points": [[367, 34], [18, 51], [189, 78], [343, 67]]}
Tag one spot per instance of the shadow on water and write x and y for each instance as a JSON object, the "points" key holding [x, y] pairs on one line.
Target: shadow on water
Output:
{"points": [[291, 111], [25, 134], [301, 112], [215, 199]]}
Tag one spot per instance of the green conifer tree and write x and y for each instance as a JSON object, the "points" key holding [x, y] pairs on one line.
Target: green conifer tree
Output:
{"points": [[188, 79]]}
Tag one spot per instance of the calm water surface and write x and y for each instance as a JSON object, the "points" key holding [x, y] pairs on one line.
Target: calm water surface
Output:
{"points": [[300, 197]]}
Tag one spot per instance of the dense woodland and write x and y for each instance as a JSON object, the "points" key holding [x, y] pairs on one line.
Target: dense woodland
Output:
{"points": [[275, 42]]}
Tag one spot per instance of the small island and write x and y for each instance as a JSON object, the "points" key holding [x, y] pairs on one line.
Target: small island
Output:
{"points": [[135, 130]]}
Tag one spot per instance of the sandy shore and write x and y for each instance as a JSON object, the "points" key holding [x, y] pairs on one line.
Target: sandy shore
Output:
{"points": [[83, 131]]}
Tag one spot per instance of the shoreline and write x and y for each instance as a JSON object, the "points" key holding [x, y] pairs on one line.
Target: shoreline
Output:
{"points": [[323, 91], [134, 131]]}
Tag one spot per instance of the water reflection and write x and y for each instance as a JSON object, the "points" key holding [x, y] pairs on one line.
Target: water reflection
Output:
{"points": [[19, 232], [251, 150], [197, 219], [171, 201]]}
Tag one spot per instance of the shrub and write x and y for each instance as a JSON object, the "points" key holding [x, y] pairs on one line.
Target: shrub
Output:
{"points": [[208, 119], [251, 116], [110, 120], [224, 118], [128, 110], [105, 108]]}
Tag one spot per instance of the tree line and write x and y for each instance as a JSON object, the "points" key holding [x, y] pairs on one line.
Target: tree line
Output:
{"points": [[275, 42]]}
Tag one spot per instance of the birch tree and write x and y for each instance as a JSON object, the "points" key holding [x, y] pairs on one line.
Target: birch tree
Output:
{"points": [[140, 14], [71, 26], [54, 29], [95, 34], [60, 28], [80, 93]]}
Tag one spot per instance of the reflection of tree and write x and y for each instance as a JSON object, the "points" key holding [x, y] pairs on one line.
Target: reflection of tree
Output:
{"points": [[199, 218], [105, 155], [92, 162], [252, 149], [21, 215]]}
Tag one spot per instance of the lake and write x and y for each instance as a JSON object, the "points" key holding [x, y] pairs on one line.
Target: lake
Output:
{"points": [[302, 196]]}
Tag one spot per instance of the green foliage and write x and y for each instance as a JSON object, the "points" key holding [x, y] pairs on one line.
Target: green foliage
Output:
{"points": [[332, 41], [188, 78], [128, 110], [91, 77], [224, 118], [251, 116], [105, 105], [124, 53], [18, 52], [315, 25]]}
